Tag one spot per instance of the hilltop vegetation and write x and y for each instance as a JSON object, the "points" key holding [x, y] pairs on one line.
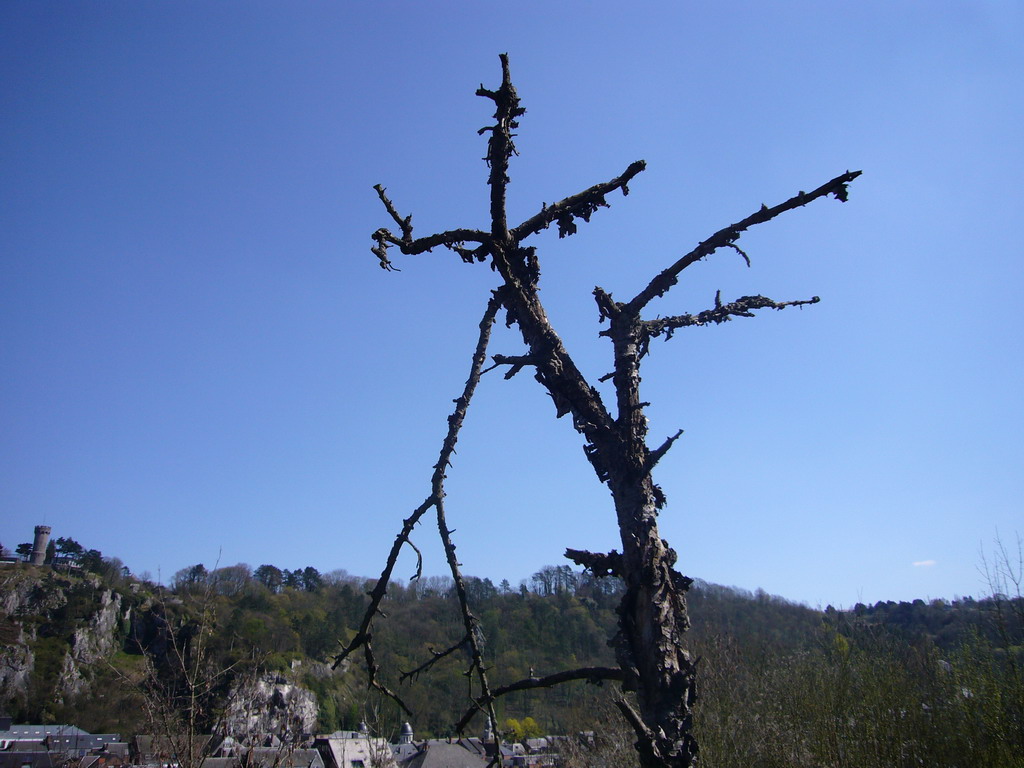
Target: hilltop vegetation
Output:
{"points": [[782, 684]]}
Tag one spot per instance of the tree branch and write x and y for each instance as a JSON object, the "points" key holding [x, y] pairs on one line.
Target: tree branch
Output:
{"points": [[646, 744], [555, 369], [656, 455], [380, 589], [372, 669], [607, 307], [500, 146], [474, 634], [726, 237], [405, 224], [455, 421], [594, 675], [452, 239], [436, 657], [517, 363], [742, 307], [597, 563], [581, 205]]}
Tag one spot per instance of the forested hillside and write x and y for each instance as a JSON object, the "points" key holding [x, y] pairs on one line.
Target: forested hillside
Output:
{"points": [[781, 683]]}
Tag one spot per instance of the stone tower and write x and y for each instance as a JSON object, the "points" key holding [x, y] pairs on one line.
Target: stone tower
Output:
{"points": [[39, 545]]}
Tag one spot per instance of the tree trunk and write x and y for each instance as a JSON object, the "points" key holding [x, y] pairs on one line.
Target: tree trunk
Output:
{"points": [[652, 620], [652, 615]]}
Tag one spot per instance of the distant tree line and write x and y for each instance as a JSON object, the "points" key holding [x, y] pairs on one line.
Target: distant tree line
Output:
{"points": [[232, 579], [785, 685], [934, 683]]}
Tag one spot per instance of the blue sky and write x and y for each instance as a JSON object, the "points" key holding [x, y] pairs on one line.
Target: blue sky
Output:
{"points": [[201, 359]]}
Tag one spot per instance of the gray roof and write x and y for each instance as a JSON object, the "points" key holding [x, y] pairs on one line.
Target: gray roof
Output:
{"points": [[33, 759], [221, 762], [441, 754], [40, 732], [79, 743], [270, 757], [537, 745], [26, 745], [341, 751], [403, 752], [478, 746], [159, 746]]}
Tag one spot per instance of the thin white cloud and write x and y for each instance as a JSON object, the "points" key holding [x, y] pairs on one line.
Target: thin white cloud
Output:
{"points": [[924, 563]]}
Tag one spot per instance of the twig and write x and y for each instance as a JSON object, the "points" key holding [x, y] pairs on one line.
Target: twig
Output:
{"points": [[581, 205], [721, 313], [656, 455], [727, 236], [455, 421], [500, 146], [597, 563], [595, 675], [437, 656], [516, 363], [372, 669]]}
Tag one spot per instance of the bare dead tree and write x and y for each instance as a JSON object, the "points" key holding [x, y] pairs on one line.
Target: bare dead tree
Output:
{"points": [[652, 614], [184, 690]]}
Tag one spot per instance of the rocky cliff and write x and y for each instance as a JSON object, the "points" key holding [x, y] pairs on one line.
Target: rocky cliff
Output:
{"points": [[270, 704], [71, 645]]}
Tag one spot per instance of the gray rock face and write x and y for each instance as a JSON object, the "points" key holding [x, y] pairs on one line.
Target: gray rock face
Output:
{"points": [[98, 639], [25, 593], [83, 625], [29, 592], [91, 643], [32, 593], [16, 664], [270, 704]]}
